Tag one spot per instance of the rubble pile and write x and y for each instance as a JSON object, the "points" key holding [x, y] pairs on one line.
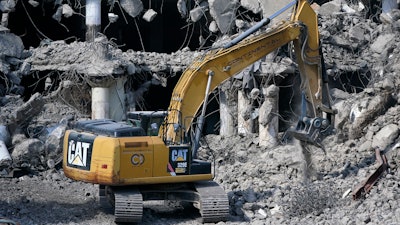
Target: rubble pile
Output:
{"points": [[264, 185]]}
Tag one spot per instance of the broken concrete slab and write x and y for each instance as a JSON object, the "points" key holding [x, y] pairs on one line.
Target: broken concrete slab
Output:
{"points": [[24, 114], [365, 111], [385, 136], [28, 153]]}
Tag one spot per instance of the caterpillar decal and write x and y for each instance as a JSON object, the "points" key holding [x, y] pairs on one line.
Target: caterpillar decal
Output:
{"points": [[79, 151], [178, 160]]}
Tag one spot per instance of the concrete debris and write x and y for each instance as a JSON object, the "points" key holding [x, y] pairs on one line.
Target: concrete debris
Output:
{"points": [[57, 16], [252, 5], [95, 59], [182, 8], [11, 46], [329, 8], [213, 27], [7, 5], [383, 43], [28, 154], [5, 158], [112, 17], [223, 12], [67, 11], [366, 110], [33, 3], [386, 136], [149, 15], [269, 7], [53, 145], [198, 12], [26, 112], [132, 7]]}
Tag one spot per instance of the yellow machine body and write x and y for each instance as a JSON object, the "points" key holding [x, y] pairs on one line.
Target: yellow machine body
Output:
{"points": [[125, 160]]}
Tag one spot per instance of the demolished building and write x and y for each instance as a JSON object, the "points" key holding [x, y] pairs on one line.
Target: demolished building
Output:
{"points": [[47, 81]]}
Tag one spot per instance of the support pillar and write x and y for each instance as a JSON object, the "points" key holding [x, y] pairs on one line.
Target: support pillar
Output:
{"points": [[227, 118], [268, 117], [117, 99], [93, 19], [245, 123], [100, 103]]}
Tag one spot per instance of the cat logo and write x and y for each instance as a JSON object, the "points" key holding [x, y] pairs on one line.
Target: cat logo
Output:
{"points": [[137, 159], [179, 155], [179, 160], [79, 153]]}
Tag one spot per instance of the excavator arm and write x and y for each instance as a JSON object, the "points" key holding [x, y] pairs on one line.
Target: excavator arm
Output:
{"points": [[211, 69]]}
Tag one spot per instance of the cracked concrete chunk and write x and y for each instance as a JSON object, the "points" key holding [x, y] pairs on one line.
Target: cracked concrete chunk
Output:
{"points": [[132, 7], [149, 15], [385, 136], [252, 5], [223, 11], [197, 13], [29, 109], [270, 7], [383, 42], [27, 153], [11, 45]]}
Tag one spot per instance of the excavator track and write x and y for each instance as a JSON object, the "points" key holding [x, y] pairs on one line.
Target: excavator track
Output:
{"points": [[213, 202], [128, 205]]}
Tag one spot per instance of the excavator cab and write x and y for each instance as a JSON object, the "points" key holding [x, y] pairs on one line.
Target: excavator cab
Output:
{"points": [[150, 121]]}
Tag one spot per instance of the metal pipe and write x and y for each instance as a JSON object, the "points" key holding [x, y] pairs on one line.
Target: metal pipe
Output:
{"points": [[258, 25], [200, 120]]}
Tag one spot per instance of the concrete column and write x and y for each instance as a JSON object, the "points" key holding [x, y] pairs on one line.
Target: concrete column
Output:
{"points": [[117, 99], [100, 103], [93, 19], [245, 123], [268, 117], [227, 127]]}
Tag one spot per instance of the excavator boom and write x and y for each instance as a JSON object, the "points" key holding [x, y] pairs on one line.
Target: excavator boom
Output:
{"points": [[221, 64]]}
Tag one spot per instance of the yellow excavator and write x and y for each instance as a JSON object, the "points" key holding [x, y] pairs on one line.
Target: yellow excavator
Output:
{"points": [[153, 157]]}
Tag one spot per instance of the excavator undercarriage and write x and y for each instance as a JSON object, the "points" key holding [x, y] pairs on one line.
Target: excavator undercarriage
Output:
{"points": [[127, 202]]}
